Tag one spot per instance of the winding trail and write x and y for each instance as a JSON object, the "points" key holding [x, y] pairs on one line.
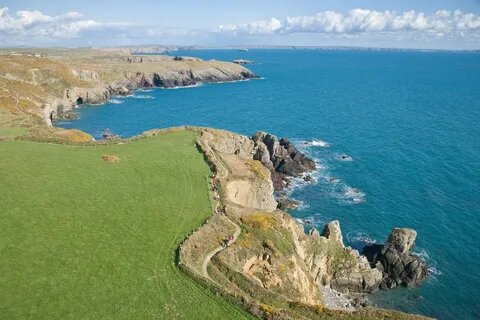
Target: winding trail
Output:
{"points": [[223, 172], [218, 249]]}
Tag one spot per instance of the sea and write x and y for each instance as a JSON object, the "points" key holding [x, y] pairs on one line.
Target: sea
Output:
{"points": [[396, 138]]}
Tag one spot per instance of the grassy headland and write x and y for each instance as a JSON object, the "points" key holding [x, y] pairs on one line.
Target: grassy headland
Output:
{"points": [[84, 238], [41, 85]]}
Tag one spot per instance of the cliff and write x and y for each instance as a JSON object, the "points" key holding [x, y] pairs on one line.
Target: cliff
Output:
{"points": [[38, 88], [259, 256]]}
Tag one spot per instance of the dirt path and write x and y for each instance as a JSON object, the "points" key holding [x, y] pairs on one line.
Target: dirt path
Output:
{"points": [[218, 249], [221, 173]]}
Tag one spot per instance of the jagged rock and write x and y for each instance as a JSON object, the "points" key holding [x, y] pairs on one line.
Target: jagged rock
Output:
{"points": [[181, 78], [395, 260], [403, 240], [308, 178], [281, 157], [332, 232], [286, 204], [263, 155], [242, 61]]}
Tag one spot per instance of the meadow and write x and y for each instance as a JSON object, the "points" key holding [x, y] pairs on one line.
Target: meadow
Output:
{"points": [[85, 238]]}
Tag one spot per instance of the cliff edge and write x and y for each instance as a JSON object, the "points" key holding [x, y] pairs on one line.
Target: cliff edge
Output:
{"points": [[259, 256], [38, 88]]}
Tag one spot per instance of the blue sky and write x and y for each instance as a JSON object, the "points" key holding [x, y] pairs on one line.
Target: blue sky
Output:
{"points": [[453, 24]]}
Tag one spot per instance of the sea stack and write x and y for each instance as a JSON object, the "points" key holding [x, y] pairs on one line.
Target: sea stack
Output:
{"points": [[396, 260]]}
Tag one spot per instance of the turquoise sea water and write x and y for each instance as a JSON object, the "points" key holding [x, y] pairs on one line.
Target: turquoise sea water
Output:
{"points": [[410, 122]]}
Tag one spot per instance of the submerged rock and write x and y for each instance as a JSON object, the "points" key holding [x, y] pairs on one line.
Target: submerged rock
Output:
{"points": [[396, 260]]}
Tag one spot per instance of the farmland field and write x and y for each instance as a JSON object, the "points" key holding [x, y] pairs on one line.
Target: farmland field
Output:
{"points": [[84, 238]]}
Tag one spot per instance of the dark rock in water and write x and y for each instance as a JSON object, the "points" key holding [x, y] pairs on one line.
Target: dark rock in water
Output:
{"points": [[308, 178], [281, 157], [242, 61], [286, 204], [395, 260], [108, 135]]}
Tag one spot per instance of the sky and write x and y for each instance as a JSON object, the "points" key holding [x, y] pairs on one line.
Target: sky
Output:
{"points": [[424, 24]]}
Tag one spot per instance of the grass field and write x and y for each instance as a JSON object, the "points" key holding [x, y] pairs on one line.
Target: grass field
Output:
{"points": [[82, 238], [11, 132]]}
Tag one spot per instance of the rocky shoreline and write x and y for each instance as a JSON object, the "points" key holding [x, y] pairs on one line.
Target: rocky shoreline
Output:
{"points": [[270, 254], [268, 264], [40, 89], [394, 259], [74, 97]]}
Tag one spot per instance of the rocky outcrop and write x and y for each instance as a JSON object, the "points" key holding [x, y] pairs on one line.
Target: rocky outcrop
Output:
{"points": [[242, 61], [51, 87], [282, 158], [336, 266], [272, 262], [243, 181], [396, 260]]}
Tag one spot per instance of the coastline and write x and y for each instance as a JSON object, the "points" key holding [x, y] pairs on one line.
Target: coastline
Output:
{"points": [[240, 213], [258, 200]]}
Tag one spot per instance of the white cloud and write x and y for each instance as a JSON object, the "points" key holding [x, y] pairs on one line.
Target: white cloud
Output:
{"points": [[34, 25], [259, 27], [359, 21], [358, 26]]}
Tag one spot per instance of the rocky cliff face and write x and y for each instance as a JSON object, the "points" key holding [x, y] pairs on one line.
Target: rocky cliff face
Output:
{"points": [[396, 261], [261, 255], [101, 92], [281, 157], [49, 88]]}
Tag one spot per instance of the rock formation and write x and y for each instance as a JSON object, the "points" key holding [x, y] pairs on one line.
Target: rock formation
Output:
{"points": [[396, 261], [271, 263], [281, 157], [242, 61], [43, 89]]}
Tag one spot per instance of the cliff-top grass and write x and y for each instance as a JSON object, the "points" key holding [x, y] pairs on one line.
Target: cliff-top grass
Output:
{"points": [[83, 238]]}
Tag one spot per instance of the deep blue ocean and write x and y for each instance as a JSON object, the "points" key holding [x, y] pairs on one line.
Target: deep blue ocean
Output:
{"points": [[410, 121]]}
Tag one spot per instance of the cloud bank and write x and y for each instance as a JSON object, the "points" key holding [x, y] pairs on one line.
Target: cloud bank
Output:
{"points": [[33, 25], [361, 27], [362, 21]]}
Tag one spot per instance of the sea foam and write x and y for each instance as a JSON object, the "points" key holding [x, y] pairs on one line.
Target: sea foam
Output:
{"points": [[115, 101]]}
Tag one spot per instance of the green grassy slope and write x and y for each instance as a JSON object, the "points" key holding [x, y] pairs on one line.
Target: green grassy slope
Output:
{"points": [[11, 132], [81, 238]]}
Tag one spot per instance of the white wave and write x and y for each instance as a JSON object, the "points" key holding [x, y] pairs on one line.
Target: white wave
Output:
{"points": [[433, 270], [331, 179], [302, 206], [115, 101], [314, 221], [360, 237], [145, 90], [239, 80], [422, 254], [315, 143], [354, 193], [143, 96], [183, 87], [346, 194], [125, 96]]}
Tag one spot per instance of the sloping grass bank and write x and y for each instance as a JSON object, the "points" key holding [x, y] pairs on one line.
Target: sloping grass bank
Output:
{"points": [[84, 238]]}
